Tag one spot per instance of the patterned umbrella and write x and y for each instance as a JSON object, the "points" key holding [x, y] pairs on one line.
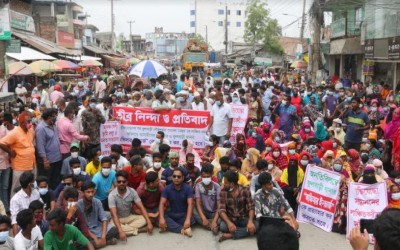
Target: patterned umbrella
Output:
{"points": [[44, 66], [148, 68], [19, 68], [299, 64], [64, 64], [91, 63]]}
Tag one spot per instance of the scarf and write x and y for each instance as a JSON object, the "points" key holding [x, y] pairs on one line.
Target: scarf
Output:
{"points": [[292, 174]]}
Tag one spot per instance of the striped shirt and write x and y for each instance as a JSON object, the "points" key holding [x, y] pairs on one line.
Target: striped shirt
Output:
{"points": [[355, 120]]}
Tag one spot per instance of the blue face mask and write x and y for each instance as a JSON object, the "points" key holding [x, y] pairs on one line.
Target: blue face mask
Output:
{"points": [[277, 139], [4, 236], [43, 191]]}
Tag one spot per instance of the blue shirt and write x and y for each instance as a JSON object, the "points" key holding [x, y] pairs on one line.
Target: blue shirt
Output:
{"points": [[179, 86], [65, 169], [47, 142], [355, 120], [94, 219], [166, 175], [177, 198], [103, 184]]}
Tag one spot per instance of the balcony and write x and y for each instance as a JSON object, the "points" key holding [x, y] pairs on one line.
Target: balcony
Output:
{"points": [[78, 22], [339, 28]]}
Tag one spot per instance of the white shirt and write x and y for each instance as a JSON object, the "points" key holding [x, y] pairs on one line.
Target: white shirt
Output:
{"points": [[104, 112], [21, 91], [154, 146], [199, 106], [21, 201], [122, 162], [45, 99], [78, 120], [20, 242], [221, 116]]}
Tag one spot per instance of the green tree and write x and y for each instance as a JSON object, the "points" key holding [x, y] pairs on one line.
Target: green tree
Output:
{"points": [[261, 28]]}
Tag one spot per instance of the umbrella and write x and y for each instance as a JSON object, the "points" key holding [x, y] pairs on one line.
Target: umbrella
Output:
{"points": [[133, 60], [64, 64], [148, 68], [19, 68], [299, 64], [90, 63], [45, 66]]}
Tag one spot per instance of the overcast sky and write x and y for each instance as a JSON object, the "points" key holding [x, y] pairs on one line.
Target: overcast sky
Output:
{"points": [[173, 15]]}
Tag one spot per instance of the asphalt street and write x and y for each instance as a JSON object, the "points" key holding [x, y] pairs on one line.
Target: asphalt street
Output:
{"points": [[311, 238]]}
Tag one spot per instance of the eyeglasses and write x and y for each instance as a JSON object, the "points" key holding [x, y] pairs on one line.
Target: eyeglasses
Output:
{"points": [[68, 184], [121, 182], [177, 176]]}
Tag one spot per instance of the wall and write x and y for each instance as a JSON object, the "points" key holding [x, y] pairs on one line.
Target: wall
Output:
{"points": [[21, 7], [45, 27]]}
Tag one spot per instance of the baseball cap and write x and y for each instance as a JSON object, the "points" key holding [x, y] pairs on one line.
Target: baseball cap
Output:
{"points": [[74, 145]]}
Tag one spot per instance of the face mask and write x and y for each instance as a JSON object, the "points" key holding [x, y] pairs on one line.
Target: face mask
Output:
{"points": [[268, 149], [397, 181], [277, 139], [368, 146], [74, 155], [157, 165], [272, 87], [114, 166], [230, 189], [396, 196], [338, 129], [335, 145], [180, 99], [235, 99], [373, 109], [92, 105], [248, 157], [152, 190], [19, 85], [284, 102], [270, 166], [276, 154], [4, 236], [292, 151], [28, 126], [43, 191], [385, 109], [106, 171], [341, 94], [76, 171], [348, 98], [252, 99], [304, 162], [254, 135], [218, 103], [364, 139], [319, 93], [379, 171], [206, 181], [71, 204], [158, 141], [307, 130], [209, 143], [337, 167], [39, 218]]}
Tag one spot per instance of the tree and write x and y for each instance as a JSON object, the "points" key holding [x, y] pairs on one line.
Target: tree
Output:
{"points": [[261, 28], [200, 39]]}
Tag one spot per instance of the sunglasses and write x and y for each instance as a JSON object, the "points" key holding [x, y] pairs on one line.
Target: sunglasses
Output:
{"points": [[121, 182], [177, 176]]}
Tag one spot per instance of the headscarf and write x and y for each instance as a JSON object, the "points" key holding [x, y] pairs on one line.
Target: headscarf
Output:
{"points": [[254, 155], [343, 171], [303, 133], [320, 131], [281, 161], [240, 150], [260, 146], [325, 146], [355, 160], [266, 135], [189, 149], [393, 125]]}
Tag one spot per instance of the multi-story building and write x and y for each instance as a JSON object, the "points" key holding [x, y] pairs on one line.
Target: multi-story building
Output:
{"points": [[135, 45], [208, 18], [165, 45]]}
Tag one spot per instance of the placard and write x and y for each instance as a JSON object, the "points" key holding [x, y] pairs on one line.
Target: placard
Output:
{"points": [[369, 49], [110, 133], [5, 29], [240, 114], [319, 197], [394, 48]]}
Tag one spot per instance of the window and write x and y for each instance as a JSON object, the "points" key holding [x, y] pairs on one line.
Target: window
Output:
{"points": [[192, 24], [238, 24], [193, 12], [220, 12], [220, 23], [238, 12]]}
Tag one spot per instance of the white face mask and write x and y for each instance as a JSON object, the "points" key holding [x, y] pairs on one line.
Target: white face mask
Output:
{"points": [[292, 151], [209, 143], [268, 149], [76, 171], [206, 181], [248, 157], [304, 162], [338, 129], [114, 166], [74, 155], [379, 171], [334, 145], [270, 166], [158, 141], [106, 171], [373, 109], [284, 102], [397, 180], [396, 196], [157, 165], [71, 204], [276, 154]]}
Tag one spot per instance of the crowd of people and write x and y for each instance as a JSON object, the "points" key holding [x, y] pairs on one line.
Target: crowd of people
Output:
{"points": [[59, 192]]}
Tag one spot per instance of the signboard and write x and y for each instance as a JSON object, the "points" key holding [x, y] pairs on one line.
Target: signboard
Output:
{"points": [[365, 201], [22, 22], [144, 123], [66, 40], [110, 133], [394, 48], [369, 49], [318, 198], [240, 115], [62, 21], [13, 46], [5, 29]]}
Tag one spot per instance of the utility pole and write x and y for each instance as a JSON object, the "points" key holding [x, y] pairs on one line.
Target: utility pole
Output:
{"points": [[207, 35], [303, 22], [318, 16], [195, 16], [226, 33], [130, 35], [112, 26]]}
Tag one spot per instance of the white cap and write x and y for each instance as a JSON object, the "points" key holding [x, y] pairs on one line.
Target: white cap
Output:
{"points": [[337, 120], [196, 94]]}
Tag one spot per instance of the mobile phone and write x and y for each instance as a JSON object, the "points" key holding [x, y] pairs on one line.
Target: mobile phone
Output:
{"points": [[367, 224]]}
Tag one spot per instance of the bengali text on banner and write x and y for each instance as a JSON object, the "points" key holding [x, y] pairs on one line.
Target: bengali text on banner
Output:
{"points": [[110, 133], [240, 115]]}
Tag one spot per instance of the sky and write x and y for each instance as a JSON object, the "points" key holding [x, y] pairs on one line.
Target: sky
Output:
{"points": [[174, 15]]}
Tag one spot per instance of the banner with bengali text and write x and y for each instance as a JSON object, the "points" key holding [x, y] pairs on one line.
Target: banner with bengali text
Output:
{"points": [[318, 198], [110, 133], [240, 115], [144, 123], [365, 201]]}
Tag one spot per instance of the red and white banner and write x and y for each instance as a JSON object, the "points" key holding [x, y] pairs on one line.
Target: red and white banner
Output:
{"points": [[240, 114], [365, 201], [144, 123], [110, 133], [318, 198]]}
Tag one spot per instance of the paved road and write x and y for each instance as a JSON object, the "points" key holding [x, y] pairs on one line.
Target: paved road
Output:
{"points": [[311, 238]]}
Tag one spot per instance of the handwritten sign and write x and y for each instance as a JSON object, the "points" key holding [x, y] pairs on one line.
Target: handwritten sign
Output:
{"points": [[319, 197], [144, 123], [240, 114], [110, 133], [365, 201]]}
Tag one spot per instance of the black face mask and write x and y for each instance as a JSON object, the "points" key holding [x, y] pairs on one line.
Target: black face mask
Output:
{"points": [[369, 179]]}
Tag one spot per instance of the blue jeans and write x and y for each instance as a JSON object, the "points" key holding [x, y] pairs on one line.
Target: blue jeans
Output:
{"points": [[241, 228], [4, 182], [222, 139], [175, 221]]}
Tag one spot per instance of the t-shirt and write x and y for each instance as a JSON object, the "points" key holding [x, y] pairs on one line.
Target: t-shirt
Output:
{"points": [[71, 236], [178, 198], [20, 242], [166, 176], [123, 204], [103, 185], [209, 198], [91, 169], [150, 200], [134, 180], [94, 218], [355, 120], [122, 162], [48, 198], [65, 169]]}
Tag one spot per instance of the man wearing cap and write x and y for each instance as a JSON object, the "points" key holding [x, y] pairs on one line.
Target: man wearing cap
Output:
{"points": [[74, 149], [21, 92], [197, 104], [136, 99], [166, 176], [182, 101], [56, 94], [221, 119], [91, 121]]}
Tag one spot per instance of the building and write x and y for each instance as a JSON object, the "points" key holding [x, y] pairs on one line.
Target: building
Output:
{"points": [[136, 45], [165, 45], [208, 18]]}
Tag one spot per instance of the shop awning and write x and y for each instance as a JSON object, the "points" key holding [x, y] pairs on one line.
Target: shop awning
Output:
{"points": [[347, 46], [115, 61], [44, 45], [28, 54], [83, 58], [97, 50]]}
